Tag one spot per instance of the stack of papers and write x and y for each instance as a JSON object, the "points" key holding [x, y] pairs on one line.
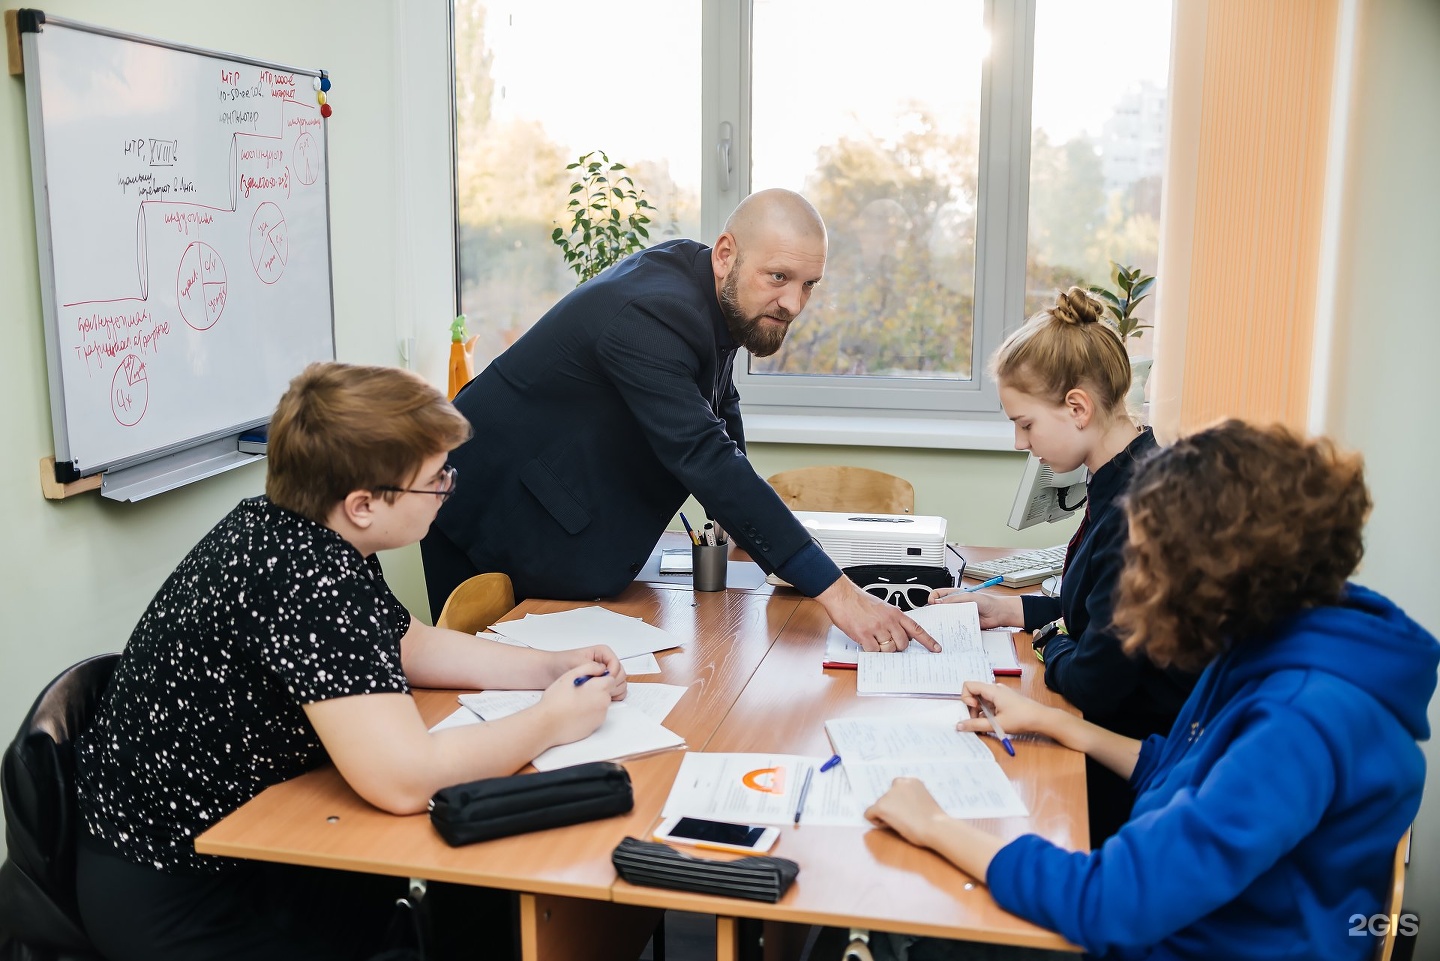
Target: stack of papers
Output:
{"points": [[916, 670], [631, 726], [626, 636], [841, 652]]}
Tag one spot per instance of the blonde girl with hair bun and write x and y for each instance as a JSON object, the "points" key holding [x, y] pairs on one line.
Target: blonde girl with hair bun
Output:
{"points": [[1063, 378]]}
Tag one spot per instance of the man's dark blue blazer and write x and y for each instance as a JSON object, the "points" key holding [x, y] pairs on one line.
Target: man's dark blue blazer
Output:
{"points": [[592, 428]]}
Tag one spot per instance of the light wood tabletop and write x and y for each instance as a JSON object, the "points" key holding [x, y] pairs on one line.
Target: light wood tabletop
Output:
{"points": [[872, 878], [751, 661]]}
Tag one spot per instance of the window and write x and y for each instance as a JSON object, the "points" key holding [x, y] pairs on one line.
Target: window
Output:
{"points": [[909, 124], [1097, 147], [537, 84]]}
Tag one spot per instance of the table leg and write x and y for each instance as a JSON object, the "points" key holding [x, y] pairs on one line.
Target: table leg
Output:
{"points": [[727, 938], [553, 927]]}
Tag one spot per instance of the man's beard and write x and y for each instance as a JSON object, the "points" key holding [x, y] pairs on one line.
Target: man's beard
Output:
{"points": [[752, 333]]}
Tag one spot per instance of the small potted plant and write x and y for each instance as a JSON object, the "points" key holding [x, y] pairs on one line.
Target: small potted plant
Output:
{"points": [[607, 217], [1131, 286]]}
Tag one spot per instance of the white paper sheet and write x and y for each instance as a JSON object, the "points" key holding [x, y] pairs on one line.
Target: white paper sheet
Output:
{"points": [[916, 670], [760, 789], [461, 717], [840, 651], [1000, 649], [930, 737], [628, 729], [640, 664], [955, 626], [971, 789], [653, 700], [957, 767], [625, 732], [626, 636]]}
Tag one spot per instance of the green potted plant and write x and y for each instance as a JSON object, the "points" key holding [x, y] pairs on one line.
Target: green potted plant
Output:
{"points": [[1132, 285], [607, 217]]}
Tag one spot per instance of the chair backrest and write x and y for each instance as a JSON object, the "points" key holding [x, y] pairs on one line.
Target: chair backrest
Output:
{"points": [[1394, 901], [42, 821], [477, 603], [844, 489]]}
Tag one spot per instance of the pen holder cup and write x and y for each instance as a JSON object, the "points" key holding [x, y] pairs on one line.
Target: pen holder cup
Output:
{"points": [[708, 563]]}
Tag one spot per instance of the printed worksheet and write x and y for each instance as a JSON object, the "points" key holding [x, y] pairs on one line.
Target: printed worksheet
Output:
{"points": [[761, 789], [918, 671], [956, 625], [927, 737], [970, 789]]}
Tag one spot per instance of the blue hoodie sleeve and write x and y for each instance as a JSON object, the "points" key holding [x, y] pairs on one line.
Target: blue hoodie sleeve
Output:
{"points": [[1147, 763], [1172, 866]]}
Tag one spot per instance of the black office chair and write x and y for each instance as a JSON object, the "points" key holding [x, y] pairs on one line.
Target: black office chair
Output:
{"points": [[39, 920]]}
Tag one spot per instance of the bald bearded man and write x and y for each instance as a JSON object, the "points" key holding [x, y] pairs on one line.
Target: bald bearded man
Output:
{"points": [[593, 427]]}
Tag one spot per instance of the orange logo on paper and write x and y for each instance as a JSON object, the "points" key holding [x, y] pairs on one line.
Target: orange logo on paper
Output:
{"points": [[767, 780]]}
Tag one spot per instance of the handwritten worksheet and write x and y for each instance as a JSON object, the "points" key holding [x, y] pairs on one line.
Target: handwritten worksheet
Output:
{"points": [[958, 769], [918, 671]]}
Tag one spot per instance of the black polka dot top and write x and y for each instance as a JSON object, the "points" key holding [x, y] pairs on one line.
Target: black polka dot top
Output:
{"points": [[270, 611]]}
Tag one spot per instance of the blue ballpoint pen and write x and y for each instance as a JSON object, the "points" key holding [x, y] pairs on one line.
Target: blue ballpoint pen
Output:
{"points": [[999, 731], [585, 677], [834, 760], [689, 530], [983, 584]]}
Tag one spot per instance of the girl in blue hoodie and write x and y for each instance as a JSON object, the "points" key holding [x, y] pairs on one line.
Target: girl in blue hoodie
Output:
{"points": [[1267, 819]]}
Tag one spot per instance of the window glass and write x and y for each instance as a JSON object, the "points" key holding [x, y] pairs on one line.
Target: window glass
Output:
{"points": [[1097, 147], [875, 118], [537, 85]]}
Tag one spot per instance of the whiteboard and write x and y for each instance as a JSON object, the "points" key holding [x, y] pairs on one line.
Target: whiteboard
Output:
{"points": [[182, 214]]}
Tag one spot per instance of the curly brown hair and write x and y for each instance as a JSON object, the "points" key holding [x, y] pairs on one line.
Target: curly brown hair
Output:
{"points": [[1231, 530]]}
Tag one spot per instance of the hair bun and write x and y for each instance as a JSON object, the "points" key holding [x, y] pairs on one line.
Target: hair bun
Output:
{"points": [[1075, 306]]}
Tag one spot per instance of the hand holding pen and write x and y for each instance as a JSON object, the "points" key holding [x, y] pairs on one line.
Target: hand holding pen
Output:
{"points": [[992, 705]]}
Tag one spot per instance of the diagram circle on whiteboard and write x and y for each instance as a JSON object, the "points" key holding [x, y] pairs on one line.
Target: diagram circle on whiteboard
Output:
{"points": [[269, 247], [129, 391], [201, 286], [307, 157]]}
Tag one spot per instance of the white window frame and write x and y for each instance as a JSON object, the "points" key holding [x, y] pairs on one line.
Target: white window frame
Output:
{"points": [[796, 407]]}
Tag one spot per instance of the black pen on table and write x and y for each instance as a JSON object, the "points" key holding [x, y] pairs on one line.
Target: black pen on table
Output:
{"points": [[804, 791]]}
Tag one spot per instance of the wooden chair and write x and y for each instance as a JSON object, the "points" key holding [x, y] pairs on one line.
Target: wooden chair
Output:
{"points": [[844, 489], [1394, 904], [477, 603]]}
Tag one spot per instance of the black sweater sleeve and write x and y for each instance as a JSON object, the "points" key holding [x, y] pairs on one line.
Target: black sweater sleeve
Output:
{"points": [[1088, 666]]}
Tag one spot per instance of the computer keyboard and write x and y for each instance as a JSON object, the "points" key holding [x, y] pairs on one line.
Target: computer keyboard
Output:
{"points": [[1022, 569]]}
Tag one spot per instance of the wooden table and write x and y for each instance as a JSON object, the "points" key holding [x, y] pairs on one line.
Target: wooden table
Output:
{"points": [[752, 663], [867, 878]]}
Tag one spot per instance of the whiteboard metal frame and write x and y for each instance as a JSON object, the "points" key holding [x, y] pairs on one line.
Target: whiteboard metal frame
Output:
{"points": [[168, 467]]}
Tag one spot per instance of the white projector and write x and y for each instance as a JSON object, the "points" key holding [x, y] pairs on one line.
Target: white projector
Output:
{"points": [[853, 539]]}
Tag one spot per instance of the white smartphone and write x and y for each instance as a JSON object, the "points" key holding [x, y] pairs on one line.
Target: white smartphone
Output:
{"points": [[718, 835]]}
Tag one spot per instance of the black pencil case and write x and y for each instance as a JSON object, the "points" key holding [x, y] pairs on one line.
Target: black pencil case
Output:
{"points": [[758, 877], [500, 806]]}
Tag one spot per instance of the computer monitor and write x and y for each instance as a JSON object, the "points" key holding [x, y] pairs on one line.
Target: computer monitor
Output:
{"points": [[1046, 497]]}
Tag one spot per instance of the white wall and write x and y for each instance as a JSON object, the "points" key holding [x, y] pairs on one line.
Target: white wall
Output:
{"points": [[76, 574], [1388, 345]]}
